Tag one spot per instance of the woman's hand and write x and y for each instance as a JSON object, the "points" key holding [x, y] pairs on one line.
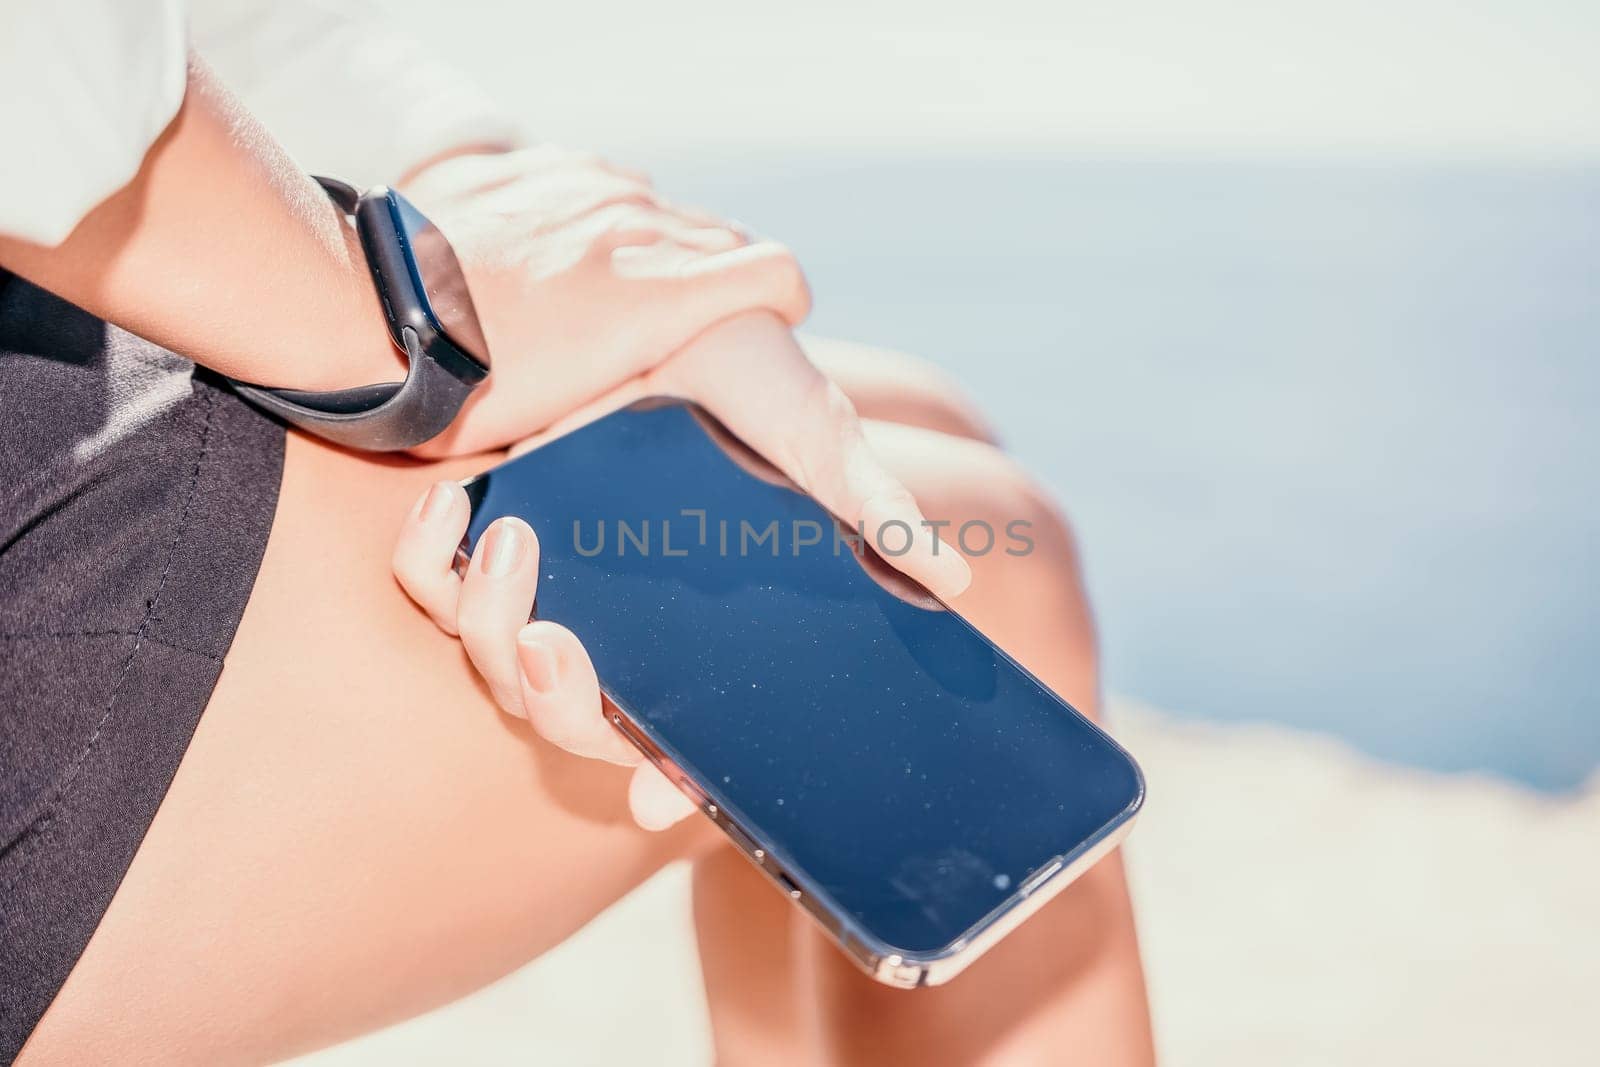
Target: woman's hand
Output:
{"points": [[536, 671], [583, 278], [591, 289], [751, 373]]}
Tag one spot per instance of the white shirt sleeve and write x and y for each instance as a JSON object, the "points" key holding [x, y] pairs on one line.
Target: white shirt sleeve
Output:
{"points": [[86, 87], [347, 94]]}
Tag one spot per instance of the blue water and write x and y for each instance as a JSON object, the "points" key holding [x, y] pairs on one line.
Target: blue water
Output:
{"points": [[1328, 434]]}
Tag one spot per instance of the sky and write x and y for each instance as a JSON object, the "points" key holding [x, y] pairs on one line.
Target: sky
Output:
{"points": [[1498, 79]]}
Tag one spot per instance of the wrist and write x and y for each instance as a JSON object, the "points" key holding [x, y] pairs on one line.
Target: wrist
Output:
{"points": [[330, 331], [415, 276], [359, 350]]}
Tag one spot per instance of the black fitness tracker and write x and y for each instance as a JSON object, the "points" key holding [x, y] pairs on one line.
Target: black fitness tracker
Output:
{"points": [[431, 318]]}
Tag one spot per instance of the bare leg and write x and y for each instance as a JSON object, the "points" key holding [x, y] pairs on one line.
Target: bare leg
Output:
{"points": [[355, 834], [1067, 986]]}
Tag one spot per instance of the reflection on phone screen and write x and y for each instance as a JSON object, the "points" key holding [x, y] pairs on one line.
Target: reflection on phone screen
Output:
{"points": [[889, 755]]}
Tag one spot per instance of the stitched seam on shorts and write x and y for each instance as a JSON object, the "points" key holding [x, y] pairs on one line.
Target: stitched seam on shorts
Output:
{"points": [[30, 635], [39, 832], [50, 635], [179, 647]]}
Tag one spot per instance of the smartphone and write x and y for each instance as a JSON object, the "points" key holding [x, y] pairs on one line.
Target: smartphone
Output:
{"points": [[892, 771]]}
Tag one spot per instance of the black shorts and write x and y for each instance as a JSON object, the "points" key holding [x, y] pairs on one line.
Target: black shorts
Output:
{"points": [[136, 494]]}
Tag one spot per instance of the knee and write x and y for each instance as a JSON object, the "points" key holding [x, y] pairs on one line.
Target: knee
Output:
{"points": [[1007, 524], [944, 404], [1034, 560], [1028, 592]]}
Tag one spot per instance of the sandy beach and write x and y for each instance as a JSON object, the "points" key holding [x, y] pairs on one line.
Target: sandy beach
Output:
{"points": [[1299, 903]]}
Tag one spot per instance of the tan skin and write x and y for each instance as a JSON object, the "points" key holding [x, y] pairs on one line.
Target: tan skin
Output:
{"points": [[357, 834], [343, 848]]}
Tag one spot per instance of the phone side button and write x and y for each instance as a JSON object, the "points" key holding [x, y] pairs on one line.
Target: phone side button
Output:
{"points": [[631, 732], [1040, 877]]}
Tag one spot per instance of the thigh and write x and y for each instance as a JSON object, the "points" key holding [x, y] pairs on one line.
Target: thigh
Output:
{"points": [[355, 833]]}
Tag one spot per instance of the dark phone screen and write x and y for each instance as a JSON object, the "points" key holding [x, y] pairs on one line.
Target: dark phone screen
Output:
{"points": [[884, 752]]}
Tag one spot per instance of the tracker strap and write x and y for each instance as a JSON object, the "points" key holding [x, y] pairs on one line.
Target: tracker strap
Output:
{"points": [[384, 417], [387, 417]]}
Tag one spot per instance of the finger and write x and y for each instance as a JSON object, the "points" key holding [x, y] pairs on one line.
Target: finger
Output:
{"points": [[627, 225], [784, 408], [561, 695], [425, 553], [656, 803], [496, 599], [699, 216], [707, 239], [889, 517], [484, 171], [594, 161], [839, 468], [622, 170], [666, 256], [761, 274], [661, 252], [557, 200]]}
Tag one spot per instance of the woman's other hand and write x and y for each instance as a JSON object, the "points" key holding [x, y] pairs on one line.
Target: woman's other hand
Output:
{"points": [[583, 277], [591, 288], [536, 671]]}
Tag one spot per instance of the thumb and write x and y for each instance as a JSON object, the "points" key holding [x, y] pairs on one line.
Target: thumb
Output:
{"points": [[760, 275], [561, 695]]}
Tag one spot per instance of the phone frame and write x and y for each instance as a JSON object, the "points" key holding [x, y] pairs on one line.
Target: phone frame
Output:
{"points": [[885, 963]]}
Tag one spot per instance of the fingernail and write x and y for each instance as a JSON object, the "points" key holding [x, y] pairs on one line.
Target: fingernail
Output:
{"points": [[436, 503], [714, 240], [504, 549], [538, 661]]}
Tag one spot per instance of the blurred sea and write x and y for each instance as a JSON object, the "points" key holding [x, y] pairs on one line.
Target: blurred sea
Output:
{"points": [[1330, 434]]}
